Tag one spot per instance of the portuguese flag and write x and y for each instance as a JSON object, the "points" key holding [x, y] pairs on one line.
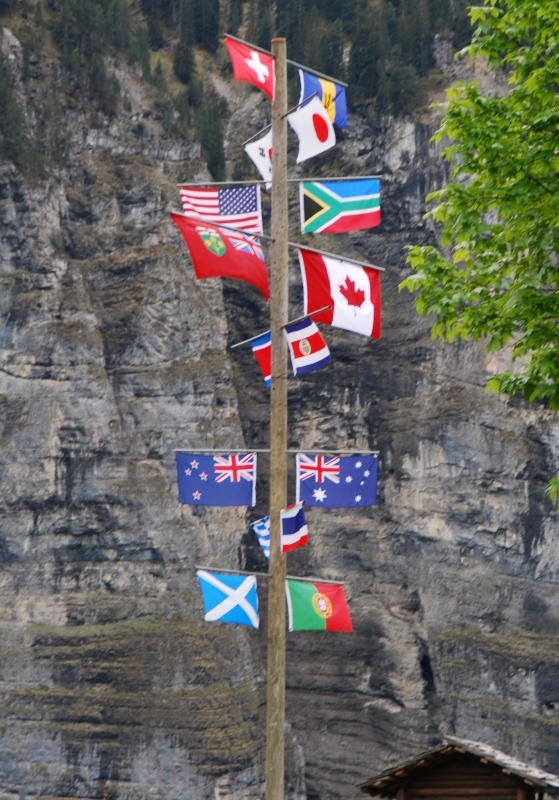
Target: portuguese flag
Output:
{"points": [[317, 607]]}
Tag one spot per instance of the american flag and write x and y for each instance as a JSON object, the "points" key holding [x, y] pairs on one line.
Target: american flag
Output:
{"points": [[234, 467], [239, 208]]}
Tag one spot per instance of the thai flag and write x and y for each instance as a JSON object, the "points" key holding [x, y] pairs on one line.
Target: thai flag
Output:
{"points": [[307, 347], [294, 530]]}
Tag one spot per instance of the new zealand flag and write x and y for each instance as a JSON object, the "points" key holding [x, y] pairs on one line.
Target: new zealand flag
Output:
{"points": [[337, 481], [224, 480]]}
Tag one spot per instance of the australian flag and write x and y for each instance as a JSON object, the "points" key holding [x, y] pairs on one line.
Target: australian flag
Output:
{"points": [[337, 481], [224, 480]]}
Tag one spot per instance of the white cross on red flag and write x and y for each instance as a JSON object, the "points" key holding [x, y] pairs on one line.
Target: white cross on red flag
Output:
{"points": [[252, 65]]}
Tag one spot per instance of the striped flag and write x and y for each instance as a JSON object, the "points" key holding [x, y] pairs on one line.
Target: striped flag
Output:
{"points": [[307, 347], [339, 206], [262, 349], [262, 530], [239, 207], [294, 530]]}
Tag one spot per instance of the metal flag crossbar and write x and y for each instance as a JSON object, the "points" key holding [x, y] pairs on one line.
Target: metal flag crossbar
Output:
{"points": [[226, 227], [267, 127], [267, 575], [291, 452], [288, 60], [291, 322], [313, 179], [333, 255]]}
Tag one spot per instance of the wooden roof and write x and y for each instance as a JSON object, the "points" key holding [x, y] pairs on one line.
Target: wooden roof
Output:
{"points": [[387, 783]]}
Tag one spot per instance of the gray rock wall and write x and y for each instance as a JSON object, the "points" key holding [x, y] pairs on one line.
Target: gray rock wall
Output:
{"points": [[111, 356]]}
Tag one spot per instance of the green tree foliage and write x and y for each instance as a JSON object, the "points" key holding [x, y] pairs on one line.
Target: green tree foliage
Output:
{"points": [[183, 63], [206, 23], [11, 117], [209, 125], [498, 278]]}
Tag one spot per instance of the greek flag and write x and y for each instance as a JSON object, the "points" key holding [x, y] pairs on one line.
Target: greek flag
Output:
{"points": [[262, 529], [229, 598]]}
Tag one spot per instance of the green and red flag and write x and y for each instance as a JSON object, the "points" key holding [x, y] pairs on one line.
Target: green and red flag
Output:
{"points": [[317, 606], [339, 206]]}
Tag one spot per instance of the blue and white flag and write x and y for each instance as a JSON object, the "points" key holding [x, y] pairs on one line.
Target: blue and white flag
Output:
{"points": [[262, 529], [331, 95], [337, 481], [307, 347], [294, 530], [229, 598], [227, 480]]}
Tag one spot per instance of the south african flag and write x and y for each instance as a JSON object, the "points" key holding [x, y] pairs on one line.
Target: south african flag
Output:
{"points": [[339, 206]]}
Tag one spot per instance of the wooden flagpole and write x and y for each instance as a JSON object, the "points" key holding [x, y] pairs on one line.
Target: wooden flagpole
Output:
{"points": [[275, 709]]}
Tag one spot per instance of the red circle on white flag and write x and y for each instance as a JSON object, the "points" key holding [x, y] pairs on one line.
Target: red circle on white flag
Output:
{"points": [[320, 127]]}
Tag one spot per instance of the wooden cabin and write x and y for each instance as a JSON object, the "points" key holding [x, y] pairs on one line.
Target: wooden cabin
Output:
{"points": [[462, 770]]}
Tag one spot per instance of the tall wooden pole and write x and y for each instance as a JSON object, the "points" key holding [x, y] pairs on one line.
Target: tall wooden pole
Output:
{"points": [[275, 712]]}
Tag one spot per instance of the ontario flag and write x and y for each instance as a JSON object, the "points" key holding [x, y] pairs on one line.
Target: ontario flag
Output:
{"points": [[224, 480], [337, 481], [351, 291], [253, 65], [220, 253], [314, 606]]}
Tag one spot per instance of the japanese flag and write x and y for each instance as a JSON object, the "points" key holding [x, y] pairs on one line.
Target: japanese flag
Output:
{"points": [[353, 292], [260, 153], [314, 129]]}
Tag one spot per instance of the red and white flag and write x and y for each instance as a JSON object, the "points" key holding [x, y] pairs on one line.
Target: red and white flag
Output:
{"points": [[252, 65], [238, 207], [353, 292], [314, 129], [260, 153], [220, 253], [307, 347]]}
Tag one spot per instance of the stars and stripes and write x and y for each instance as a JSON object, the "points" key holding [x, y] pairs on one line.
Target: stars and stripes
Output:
{"points": [[238, 207]]}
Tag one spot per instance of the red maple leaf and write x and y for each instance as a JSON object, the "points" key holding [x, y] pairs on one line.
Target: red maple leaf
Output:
{"points": [[355, 297]]}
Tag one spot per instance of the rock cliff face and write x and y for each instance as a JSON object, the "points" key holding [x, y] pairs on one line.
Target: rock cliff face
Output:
{"points": [[111, 356]]}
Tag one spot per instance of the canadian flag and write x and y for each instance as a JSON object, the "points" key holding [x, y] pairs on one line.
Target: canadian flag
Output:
{"points": [[353, 292], [260, 153], [314, 129], [252, 65]]}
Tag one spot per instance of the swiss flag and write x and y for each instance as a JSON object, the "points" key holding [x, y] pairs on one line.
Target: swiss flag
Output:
{"points": [[353, 292], [252, 65], [219, 253]]}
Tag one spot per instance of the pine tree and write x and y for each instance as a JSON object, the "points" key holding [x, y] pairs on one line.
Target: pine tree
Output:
{"points": [[206, 23], [210, 133], [183, 63]]}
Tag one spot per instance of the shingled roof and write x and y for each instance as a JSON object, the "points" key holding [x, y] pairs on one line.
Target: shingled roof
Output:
{"points": [[387, 783]]}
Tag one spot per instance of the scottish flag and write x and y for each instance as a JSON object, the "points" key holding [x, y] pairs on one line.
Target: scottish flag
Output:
{"points": [[337, 481], [224, 480], [262, 529], [229, 598]]}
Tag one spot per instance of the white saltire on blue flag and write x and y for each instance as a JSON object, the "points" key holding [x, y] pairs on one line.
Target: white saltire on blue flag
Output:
{"points": [[262, 529], [229, 598]]}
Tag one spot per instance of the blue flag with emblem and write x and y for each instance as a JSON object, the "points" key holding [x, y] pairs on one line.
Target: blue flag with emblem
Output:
{"points": [[337, 481], [224, 480], [331, 95], [262, 529], [229, 598]]}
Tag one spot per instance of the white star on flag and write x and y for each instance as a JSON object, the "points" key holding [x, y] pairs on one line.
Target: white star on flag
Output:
{"points": [[196, 495], [194, 464], [358, 464], [348, 479], [366, 473], [188, 472], [319, 494], [203, 476], [357, 498], [257, 66]]}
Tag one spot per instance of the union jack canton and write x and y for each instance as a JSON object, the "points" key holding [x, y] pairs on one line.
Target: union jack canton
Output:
{"points": [[337, 481], [228, 480]]}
